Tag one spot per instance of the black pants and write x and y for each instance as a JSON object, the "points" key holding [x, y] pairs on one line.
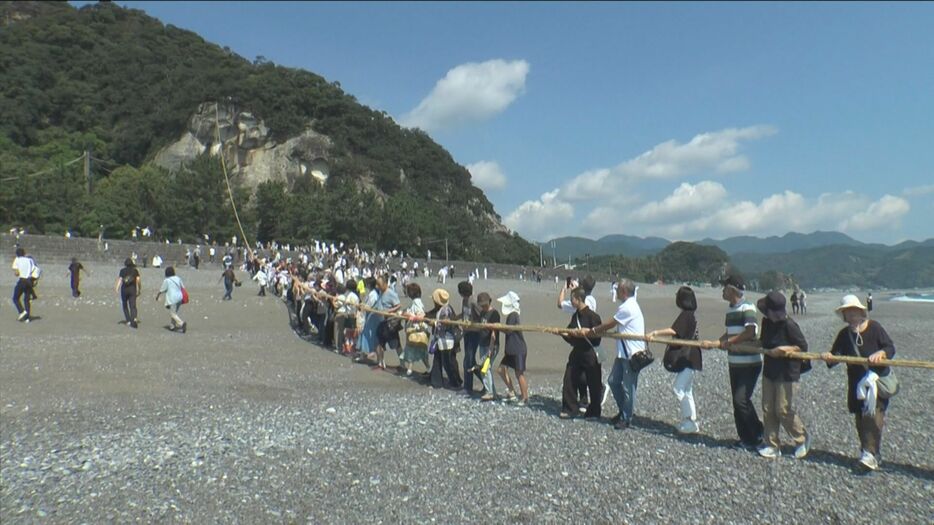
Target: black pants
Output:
{"points": [[742, 383], [582, 365], [128, 301], [23, 289], [444, 359]]}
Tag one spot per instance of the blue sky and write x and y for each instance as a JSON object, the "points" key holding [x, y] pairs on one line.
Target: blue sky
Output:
{"points": [[672, 119]]}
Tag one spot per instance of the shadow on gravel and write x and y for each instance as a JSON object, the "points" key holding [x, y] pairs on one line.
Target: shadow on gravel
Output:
{"points": [[552, 407]]}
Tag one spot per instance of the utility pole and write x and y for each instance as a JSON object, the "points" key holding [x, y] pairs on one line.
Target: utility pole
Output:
{"points": [[87, 171], [554, 255], [541, 257], [446, 258]]}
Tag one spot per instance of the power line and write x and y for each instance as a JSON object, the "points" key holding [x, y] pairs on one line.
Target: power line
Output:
{"points": [[41, 172]]}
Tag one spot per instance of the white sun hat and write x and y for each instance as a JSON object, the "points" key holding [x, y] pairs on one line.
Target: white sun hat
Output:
{"points": [[510, 302], [850, 301]]}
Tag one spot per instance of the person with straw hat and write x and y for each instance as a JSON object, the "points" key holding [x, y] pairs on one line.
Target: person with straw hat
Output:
{"points": [[515, 349], [863, 337], [442, 341]]}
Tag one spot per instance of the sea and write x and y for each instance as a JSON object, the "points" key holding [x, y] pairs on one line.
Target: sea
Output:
{"points": [[914, 298]]}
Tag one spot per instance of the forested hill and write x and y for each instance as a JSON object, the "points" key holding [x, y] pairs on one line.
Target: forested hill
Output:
{"points": [[125, 86]]}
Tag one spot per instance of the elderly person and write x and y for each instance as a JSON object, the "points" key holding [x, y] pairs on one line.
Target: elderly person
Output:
{"points": [[780, 336], [741, 327], [862, 337], [624, 380], [442, 341], [417, 333]]}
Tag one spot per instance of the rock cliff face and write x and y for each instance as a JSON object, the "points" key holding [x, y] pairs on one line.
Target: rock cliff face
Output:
{"points": [[252, 156]]}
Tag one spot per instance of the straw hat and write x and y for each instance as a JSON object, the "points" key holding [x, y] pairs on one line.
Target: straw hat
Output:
{"points": [[440, 296], [510, 302], [850, 301]]}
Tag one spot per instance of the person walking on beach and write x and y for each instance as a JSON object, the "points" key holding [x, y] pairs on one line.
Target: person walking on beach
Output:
{"points": [[515, 350], [129, 286], [866, 400], [262, 279], [794, 302], [869, 302], [780, 336], [741, 326], [74, 273], [22, 290], [802, 302], [172, 288], [230, 280], [624, 380], [582, 361], [683, 361]]}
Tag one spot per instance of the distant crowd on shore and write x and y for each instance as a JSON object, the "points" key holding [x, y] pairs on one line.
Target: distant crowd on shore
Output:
{"points": [[327, 284]]}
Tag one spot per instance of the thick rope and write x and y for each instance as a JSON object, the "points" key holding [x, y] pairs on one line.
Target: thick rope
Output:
{"points": [[217, 134], [740, 349]]}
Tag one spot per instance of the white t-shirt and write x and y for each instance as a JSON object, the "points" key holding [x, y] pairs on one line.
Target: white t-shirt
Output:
{"points": [[629, 318], [590, 301], [23, 267]]}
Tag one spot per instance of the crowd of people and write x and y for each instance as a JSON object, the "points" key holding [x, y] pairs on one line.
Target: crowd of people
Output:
{"points": [[347, 299]]}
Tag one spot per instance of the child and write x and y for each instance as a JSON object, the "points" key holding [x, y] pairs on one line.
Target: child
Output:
{"points": [[516, 351], [488, 346]]}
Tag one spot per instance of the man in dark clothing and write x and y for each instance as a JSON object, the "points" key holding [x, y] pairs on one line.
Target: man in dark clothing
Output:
{"points": [[128, 286], [470, 312], [230, 279], [74, 271], [582, 361]]}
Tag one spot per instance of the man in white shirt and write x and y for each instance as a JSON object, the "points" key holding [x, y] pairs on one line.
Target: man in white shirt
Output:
{"points": [[22, 268], [623, 379]]}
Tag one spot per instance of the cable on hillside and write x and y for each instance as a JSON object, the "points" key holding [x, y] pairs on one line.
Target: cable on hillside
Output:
{"points": [[41, 172]]}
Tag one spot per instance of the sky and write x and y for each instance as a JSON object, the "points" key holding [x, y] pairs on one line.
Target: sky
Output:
{"points": [[679, 120]]}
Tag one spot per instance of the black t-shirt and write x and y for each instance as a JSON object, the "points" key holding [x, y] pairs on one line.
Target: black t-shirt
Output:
{"points": [[74, 268], [515, 341], [129, 275], [677, 358], [873, 339], [489, 317], [782, 333]]}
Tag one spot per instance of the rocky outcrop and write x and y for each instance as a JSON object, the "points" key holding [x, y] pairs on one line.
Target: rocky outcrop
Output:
{"points": [[251, 154]]}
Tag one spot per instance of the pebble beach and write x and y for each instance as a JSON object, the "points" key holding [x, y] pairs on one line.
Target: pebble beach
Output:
{"points": [[241, 420]]}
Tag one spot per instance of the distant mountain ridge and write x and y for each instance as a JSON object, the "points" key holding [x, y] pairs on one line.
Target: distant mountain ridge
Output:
{"points": [[632, 246]]}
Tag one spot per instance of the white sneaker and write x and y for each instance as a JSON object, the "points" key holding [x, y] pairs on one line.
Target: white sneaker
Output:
{"points": [[606, 393], [688, 427], [770, 452], [869, 461], [22, 316], [802, 450]]}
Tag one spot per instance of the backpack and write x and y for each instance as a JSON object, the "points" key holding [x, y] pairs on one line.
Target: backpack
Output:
{"points": [[36, 272]]}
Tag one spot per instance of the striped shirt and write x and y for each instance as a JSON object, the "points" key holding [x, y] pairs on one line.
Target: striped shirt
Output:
{"points": [[738, 317]]}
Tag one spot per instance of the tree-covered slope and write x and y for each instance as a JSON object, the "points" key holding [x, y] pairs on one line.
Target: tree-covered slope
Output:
{"points": [[124, 85]]}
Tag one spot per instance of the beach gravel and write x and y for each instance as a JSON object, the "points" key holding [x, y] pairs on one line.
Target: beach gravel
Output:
{"points": [[240, 420]]}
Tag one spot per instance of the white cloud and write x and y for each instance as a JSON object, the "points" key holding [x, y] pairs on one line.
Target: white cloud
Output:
{"points": [[918, 191], [885, 212], [716, 151], [685, 202], [542, 219], [487, 175], [469, 93], [705, 209]]}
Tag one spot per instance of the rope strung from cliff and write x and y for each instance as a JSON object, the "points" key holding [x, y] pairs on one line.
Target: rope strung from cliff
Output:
{"points": [[747, 349], [42, 172], [217, 135]]}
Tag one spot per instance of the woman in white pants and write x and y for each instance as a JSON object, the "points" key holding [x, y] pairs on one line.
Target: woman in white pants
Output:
{"points": [[683, 361]]}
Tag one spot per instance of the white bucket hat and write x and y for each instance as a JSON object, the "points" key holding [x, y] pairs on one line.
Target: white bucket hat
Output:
{"points": [[850, 301], [510, 302]]}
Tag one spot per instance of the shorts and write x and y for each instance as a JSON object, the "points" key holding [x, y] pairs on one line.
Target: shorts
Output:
{"points": [[516, 362]]}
